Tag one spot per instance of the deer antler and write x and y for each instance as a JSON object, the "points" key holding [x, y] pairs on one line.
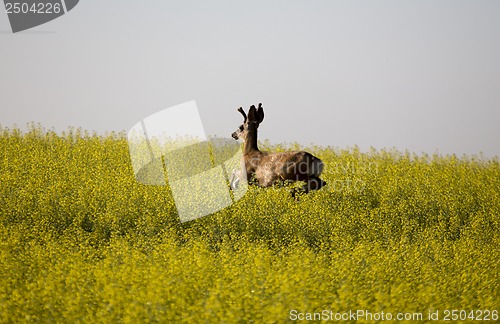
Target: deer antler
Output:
{"points": [[260, 114], [243, 113]]}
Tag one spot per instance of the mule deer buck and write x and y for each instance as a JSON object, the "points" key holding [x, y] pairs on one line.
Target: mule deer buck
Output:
{"points": [[268, 168]]}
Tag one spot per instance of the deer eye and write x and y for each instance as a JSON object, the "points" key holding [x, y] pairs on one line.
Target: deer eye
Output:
{"points": [[241, 127]]}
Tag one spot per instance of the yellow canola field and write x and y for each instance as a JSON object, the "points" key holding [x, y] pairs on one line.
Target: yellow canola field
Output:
{"points": [[392, 233]]}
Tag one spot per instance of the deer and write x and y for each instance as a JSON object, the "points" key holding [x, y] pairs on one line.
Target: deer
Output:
{"points": [[268, 168]]}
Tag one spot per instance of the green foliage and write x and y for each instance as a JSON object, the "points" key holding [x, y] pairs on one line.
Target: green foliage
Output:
{"points": [[83, 241]]}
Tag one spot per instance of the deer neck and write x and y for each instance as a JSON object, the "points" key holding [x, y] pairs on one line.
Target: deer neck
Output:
{"points": [[251, 142]]}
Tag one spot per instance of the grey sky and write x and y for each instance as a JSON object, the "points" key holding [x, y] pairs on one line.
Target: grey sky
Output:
{"points": [[416, 75]]}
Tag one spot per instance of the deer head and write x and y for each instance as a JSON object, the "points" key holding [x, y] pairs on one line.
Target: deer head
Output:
{"points": [[248, 130]]}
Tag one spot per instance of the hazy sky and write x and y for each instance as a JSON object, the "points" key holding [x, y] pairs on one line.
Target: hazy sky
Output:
{"points": [[416, 75]]}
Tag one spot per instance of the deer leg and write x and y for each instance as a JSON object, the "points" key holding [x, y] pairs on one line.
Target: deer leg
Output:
{"points": [[266, 182], [313, 184], [235, 179]]}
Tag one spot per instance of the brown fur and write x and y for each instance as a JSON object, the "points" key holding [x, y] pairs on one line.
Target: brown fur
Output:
{"points": [[268, 168]]}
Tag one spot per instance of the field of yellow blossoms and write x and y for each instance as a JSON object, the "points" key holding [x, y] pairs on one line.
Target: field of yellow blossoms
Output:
{"points": [[392, 233]]}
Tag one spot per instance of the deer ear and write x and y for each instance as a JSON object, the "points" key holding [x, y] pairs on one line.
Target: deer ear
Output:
{"points": [[252, 114], [260, 114]]}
